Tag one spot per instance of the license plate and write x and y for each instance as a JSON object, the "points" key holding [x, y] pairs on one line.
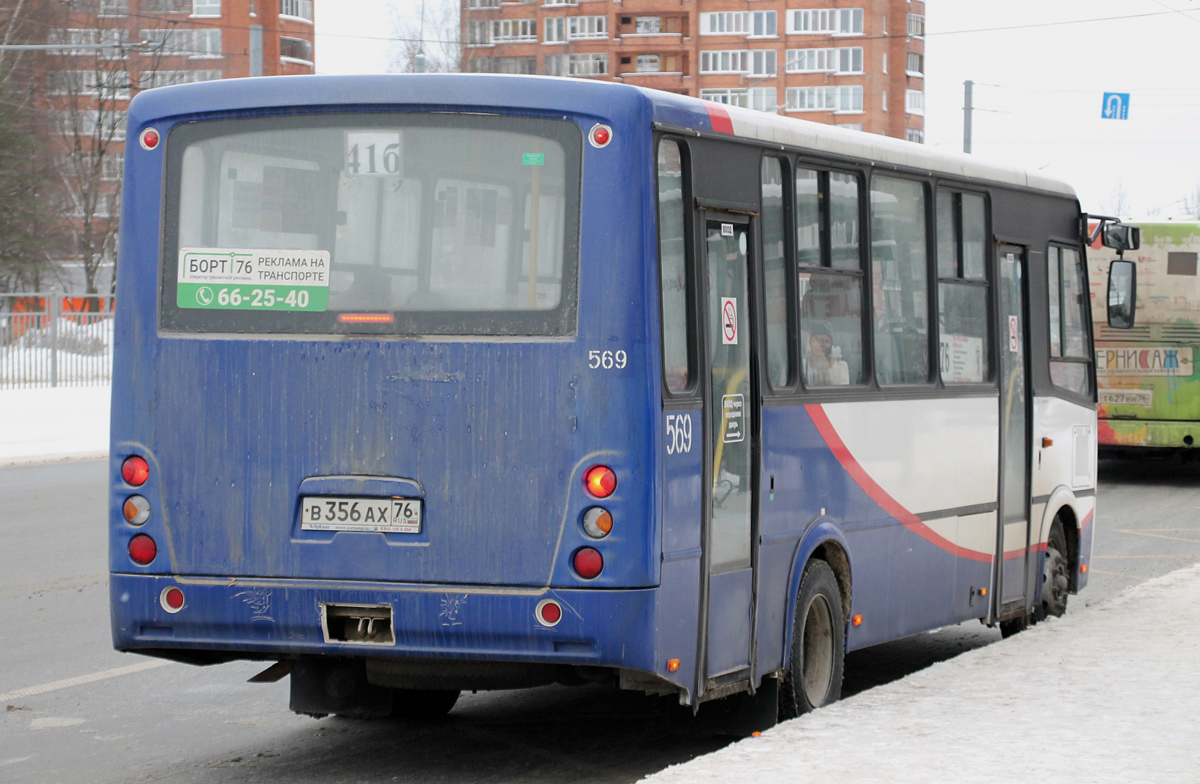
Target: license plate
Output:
{"points": [[371, 515]]}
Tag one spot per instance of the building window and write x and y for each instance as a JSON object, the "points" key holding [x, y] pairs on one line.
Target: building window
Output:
{"points": [[480, 4], [165, 6], [295, 49], [206, 7], [587, 27], [841, 98], [841, 60], [114, 7], [762, 62], [183, 42], [758, 98], [577, 64], [479, 65], [648, 25], [914, 102], [916, 25], [70, 37], [112, 166], [725, 23], [555, 29], [914, 135], [827, 21], [107, 85], [916, 64], [648, 63], [762, 24], [515, 65], [478, 32], [299, 9], [162, 78], [725, 61], [512, 30]]}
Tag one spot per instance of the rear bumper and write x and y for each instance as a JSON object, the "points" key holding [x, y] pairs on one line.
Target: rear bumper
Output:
{"points": [[1145, 433], [270, 619]]}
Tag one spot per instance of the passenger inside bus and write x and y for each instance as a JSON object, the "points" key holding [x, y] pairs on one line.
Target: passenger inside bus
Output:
{"points": [[823, 363]]}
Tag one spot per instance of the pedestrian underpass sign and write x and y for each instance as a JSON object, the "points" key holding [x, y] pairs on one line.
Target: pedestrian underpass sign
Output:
{"points": [[1116, 106]]}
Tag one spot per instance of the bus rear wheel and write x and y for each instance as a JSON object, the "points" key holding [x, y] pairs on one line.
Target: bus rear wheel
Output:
{"points": [[814, 676], [1056, 581]]}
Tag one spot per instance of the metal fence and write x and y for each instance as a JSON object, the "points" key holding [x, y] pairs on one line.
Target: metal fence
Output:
{"points": [[54, 340]]}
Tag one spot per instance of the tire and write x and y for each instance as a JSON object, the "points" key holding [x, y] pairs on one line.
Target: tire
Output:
{"points": [[422, 703], [818, 647], [1056, 581]]}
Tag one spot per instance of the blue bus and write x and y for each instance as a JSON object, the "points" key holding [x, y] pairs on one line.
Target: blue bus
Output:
{"points": [[442, 382]]}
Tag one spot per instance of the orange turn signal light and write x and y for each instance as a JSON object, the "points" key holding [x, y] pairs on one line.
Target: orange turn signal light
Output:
{"points": [[856, 620], [672, 665]]}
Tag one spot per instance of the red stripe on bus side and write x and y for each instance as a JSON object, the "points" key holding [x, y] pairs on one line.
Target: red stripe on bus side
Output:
{"points": [[719, 118], [878, 494]]}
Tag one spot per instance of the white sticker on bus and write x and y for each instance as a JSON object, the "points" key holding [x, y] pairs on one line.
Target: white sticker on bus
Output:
{"points": [[732, 409], [253, 279], [729, 321]]}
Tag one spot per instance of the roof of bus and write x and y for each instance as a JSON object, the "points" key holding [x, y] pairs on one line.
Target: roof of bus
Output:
{"points": [[495, 91]]}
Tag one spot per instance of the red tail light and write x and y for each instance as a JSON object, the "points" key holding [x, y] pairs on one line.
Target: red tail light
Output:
{"points": [[600, 481], [588, 562], [171, 599], [135, 471], [142, 549], [548, 612]]}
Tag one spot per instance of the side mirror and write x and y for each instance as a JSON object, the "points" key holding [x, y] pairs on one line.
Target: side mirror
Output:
{"points": [[1122, 293], [1121, 237]]}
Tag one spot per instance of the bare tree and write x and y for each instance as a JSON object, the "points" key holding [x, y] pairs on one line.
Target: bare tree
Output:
{"points": [[27, 217], [1190, 203], [1118, 203], [431, 29]]}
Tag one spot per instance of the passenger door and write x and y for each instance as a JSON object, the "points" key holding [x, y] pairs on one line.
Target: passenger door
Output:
{"points": [[1012, 545], [731, 450]]}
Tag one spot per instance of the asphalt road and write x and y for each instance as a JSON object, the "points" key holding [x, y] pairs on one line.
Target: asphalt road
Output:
{"points": [[76, 711]]}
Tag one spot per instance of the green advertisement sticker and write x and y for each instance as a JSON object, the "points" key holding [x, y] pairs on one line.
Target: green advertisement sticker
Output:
{"points": [[534, 158], [252, 297]]}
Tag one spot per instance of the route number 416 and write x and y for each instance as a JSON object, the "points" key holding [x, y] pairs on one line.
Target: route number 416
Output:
{"points": [[679, 434]]}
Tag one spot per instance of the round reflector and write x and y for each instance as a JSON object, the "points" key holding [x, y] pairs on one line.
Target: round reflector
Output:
{"points": [[600, 481], [588, 562], [597, 522], [548, 612], [142, 549], [136, 510], [135, 470], [150, 138], [600, 135], [171, 599]]}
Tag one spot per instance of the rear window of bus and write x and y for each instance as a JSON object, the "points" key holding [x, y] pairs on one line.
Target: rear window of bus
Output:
{"points": [[402, 223]]}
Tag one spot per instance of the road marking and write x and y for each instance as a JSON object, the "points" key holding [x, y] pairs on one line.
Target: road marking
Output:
{"points": [[1101, 571], [84, 679], [1158, 536]]}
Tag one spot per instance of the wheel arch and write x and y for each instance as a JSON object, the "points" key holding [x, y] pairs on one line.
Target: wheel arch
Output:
{"points": [[1063, 505], [824, 541]]}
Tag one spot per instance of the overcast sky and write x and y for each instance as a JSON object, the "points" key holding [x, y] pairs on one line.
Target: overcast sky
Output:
{"points": [[1040, 68]]}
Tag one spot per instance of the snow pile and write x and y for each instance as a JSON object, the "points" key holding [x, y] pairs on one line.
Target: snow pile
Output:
{"points": [[38, 425], [1108, 693]]}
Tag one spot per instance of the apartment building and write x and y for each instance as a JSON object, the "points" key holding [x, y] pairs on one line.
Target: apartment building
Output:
{"points": [[859, 64], [109, 50]]}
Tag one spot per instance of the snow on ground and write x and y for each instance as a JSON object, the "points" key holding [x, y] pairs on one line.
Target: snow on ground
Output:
{"points": [[1108, 693], [53, 423]]}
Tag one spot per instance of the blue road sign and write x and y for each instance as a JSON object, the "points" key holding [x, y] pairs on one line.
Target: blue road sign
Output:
{"points": [[1116, 106]]}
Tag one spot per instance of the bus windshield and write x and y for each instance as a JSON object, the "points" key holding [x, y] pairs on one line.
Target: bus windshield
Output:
{"points": [[398, 223]]}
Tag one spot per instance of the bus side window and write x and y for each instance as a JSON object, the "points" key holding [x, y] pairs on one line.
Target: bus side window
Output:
{"points": [[963, 323], [777, 290], [830, 279], [673, 270], [900, 295], [1069, 357]]}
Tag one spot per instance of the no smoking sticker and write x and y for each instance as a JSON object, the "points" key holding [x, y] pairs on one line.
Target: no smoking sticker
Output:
{"points": [[729, 321]]}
